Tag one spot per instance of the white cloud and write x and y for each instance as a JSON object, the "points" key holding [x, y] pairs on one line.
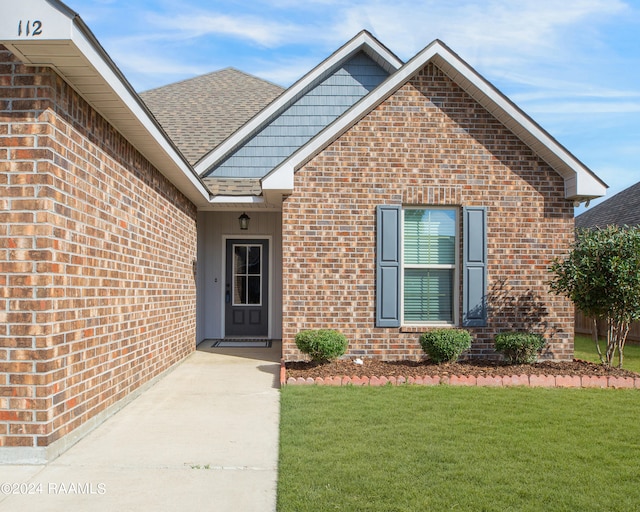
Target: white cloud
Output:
{"points": [[148, 63], [497, 31], [504, 38], [577, 91], [268, 33], [284, 71], [498, 37], [585, 107]]}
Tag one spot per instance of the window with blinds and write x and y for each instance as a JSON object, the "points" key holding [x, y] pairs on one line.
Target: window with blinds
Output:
{"points": [[429, 264]]}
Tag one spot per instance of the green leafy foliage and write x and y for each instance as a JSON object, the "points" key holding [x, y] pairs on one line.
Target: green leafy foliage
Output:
{"points": [[519, 347], [601, 275], [321, 344], [445, 345]]}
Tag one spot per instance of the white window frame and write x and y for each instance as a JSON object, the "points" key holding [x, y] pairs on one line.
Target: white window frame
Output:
{"points": [[455, 267], [234, 274]]}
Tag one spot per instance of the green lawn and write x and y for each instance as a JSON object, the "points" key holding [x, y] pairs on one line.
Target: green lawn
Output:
{"points": [[413, 448], [585, 348]]}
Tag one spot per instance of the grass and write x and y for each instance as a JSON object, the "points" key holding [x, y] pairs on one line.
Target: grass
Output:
{"points": [[584, 348], [413, 448]]}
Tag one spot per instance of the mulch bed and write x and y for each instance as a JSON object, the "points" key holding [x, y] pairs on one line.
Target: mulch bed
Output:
{"points": [[477, 368]]}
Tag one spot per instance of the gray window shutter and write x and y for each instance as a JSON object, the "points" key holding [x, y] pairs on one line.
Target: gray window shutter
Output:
{"points": [[474, 287], [388, 266]]}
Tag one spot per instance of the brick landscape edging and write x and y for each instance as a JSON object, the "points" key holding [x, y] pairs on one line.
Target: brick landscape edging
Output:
{"points": [[547, 381]]}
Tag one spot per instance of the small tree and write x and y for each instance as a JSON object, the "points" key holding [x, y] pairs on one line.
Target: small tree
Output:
{"points": [[601, 275]]}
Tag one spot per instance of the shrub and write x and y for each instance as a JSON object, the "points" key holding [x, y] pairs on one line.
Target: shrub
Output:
{"points": [[519, 347], [445, 345], [321, 344]]}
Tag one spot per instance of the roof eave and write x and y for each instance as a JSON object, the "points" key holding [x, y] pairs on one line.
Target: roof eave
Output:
{"points": [[68, 46], [226, 203]]}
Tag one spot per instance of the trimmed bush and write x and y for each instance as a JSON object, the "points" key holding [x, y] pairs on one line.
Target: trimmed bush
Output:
{"points": [[519, 347], [445, 345], [321, 344]]}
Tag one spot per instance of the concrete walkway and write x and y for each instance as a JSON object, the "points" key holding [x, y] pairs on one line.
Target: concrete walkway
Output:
{"points": [[205, 437]]}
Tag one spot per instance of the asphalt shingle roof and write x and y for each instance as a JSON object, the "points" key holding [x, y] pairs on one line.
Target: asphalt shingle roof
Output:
{"points": [[234, 186], [199, 113], [621, 209]]}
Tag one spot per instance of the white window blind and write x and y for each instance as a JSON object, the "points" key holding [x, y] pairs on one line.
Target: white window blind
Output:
{"points": [[429, 257]]}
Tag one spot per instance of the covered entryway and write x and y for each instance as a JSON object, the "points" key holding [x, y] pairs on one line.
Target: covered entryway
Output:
{"points": [[239, 276], [247, 287]]}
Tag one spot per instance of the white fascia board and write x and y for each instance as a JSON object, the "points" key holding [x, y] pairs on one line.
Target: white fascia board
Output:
{"points": [[35, 20], [56, 22], [246, 204], [280, 179], [248, 200], [580, 182], [378, 52], [363, 41], [587, 187]]}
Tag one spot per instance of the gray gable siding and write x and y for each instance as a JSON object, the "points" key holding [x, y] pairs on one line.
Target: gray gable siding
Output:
{"points": [[301, 121]]}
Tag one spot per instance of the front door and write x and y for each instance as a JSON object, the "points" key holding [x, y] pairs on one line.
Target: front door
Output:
{"points": [[247, 288]]}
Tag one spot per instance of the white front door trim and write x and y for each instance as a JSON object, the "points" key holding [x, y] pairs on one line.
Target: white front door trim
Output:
{"points": [[223, 269]]}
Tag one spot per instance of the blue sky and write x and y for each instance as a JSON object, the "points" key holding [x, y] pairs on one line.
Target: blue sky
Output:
{"points": [[572, 65]]}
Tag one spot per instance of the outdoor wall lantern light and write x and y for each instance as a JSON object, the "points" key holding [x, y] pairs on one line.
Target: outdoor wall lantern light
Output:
{"points": [[244, 221]]}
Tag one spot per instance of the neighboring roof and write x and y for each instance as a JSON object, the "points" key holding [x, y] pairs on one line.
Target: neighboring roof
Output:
{"points": [[620, 210], [67, 45], [363, 51], [199, 113], [581, 183]]}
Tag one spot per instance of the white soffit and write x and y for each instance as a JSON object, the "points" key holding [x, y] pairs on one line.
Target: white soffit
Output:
{"points": [[48, 33], [580, 182], [364, 41], [248, 203]]}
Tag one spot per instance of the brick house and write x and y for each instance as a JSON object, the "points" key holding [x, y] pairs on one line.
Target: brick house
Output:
{"points": [[382, 198]]}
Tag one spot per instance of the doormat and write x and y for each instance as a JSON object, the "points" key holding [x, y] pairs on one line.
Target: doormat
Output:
{"points": [[242, 344]]}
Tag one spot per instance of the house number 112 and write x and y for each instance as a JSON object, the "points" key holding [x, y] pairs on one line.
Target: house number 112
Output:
{"points": [[31, 28]]}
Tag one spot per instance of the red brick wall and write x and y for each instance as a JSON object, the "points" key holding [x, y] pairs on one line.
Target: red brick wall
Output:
{"points": [[97, 290], [428, 144]]}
